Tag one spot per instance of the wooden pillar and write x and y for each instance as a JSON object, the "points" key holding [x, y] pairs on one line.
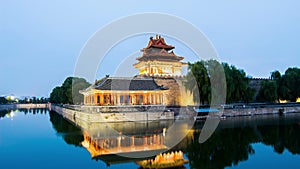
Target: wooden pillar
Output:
{"points": [[145, 141], [132, 141], [124, 99], [118, 99], [137, 99], [119, 142], [95, 99], [160, 98], [111, 99], [150, 98], [101, 99], [132, 99], [144, 98], [115, 99]]}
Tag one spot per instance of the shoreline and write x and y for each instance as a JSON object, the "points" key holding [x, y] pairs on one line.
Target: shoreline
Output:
{"points": [[252, 109], [260, 109], [139, 113], [93, 114], [23, 106]]}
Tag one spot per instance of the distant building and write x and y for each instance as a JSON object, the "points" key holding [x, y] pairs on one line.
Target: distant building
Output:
{"points": [[159, 81]]}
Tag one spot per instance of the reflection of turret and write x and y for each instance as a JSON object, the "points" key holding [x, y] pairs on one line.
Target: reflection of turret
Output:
{"points": [[123, 144], [165, 160]]}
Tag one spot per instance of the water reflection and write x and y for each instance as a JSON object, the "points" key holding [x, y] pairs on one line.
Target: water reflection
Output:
{"points": [[69, 132], [10, 113], [231, 143]]}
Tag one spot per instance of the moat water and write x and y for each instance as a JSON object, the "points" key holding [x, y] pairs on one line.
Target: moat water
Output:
{"points": [[38, 138]]}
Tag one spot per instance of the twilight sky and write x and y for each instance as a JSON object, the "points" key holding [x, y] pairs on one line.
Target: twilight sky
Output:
{"points": [[40, 41]]}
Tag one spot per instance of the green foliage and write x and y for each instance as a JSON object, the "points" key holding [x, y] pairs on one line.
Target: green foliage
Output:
{"points": [[70, 133], [218, 82], [267, 92], [197, 82], [287, 85], [289, 88], [275, 75], [234, 85], [3, 100], [237, 85], [68, 93]]}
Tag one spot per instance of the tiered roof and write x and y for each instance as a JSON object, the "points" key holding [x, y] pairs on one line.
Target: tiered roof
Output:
{"points": [[158, 42], [158, 49]]}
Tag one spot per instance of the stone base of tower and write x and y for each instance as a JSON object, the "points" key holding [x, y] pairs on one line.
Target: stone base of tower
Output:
{"points": [[177, 95]]}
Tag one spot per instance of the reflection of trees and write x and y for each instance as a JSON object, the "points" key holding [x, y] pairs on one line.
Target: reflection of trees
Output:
{"points": [[224, 148], [282, 137], [70, 133], [3, 113], [228, 147], [34, 111]]}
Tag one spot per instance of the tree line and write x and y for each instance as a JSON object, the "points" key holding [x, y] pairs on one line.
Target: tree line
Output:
{"points": [[4, 100], [68, 92], [205, 81], [281, 87], [226, 82]]}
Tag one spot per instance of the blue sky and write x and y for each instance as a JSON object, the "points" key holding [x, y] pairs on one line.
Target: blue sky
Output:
{"points": [[40, 41]]}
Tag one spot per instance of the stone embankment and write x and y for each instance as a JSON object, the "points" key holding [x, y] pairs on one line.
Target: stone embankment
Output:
{"points": [[79, 114], [260, 109]]}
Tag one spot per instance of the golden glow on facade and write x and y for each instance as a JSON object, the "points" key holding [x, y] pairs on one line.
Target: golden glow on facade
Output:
{"points": [[118, 98]]}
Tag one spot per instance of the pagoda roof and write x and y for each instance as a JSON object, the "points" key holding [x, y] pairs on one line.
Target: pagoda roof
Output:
{"points": [[123, 83], [158, 42], [161, 55]]}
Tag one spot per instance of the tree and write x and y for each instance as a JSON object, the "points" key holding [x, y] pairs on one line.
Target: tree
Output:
{"points": [[3, 100], [267, 92], [289, 85], [197, 82], [206, 79], [217, 79], [238, 88], [68, 93], [275, 75]]}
